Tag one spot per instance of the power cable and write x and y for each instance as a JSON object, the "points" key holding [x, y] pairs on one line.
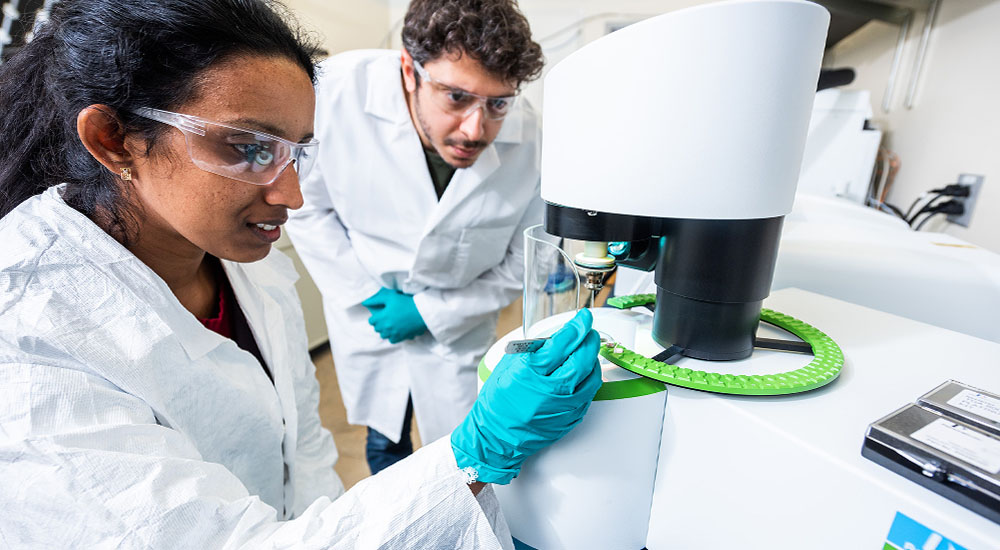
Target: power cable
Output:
{"points": [[886, 207], [922, 196], [925, 220], [953, 207], [951, 190], [928, 207]]}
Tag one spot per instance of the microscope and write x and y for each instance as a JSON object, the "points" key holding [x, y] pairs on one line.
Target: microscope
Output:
{"points": [[672, 145], [679, 140], [711, 275]]}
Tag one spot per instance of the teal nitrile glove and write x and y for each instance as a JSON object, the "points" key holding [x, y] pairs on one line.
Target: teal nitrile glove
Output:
{"points": [[530, 401], [394, 316]]}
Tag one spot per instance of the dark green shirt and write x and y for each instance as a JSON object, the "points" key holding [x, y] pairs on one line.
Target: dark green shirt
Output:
{"points": [[441, 171]]}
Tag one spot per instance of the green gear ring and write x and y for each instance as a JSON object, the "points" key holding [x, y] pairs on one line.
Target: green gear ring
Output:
{"points": [[626, 302], [827, 361]]}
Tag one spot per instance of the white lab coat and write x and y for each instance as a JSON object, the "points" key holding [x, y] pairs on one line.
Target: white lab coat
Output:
{"points": [[124, 423], [372, 219]]}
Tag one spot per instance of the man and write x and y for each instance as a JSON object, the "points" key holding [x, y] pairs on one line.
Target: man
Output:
{"points": [[426, 177]]}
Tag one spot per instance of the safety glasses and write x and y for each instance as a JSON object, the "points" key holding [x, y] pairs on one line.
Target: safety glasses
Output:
{"points": [[458, 102], [238, 153]]}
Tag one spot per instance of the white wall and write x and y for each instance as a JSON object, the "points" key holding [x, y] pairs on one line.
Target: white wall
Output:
{"points": [[954, 126], [343, 24]]}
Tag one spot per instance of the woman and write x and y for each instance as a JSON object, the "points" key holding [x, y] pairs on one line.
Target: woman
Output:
{"points": [[155, 386]]}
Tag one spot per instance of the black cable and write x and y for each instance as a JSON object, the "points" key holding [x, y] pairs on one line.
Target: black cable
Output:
{"points": [[950, 190], [892, 209], [923, 221], [933, 193], [950, 207], [929, 207]]}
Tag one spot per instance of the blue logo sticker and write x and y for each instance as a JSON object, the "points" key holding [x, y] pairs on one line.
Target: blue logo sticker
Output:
{"points": [[907, 534]]}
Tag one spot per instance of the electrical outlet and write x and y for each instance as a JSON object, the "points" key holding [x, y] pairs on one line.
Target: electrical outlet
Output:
{"points": [[974, 181]]}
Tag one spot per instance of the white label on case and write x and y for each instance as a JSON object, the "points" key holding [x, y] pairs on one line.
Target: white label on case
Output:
{"points": [[978, 404], [971, 446]]}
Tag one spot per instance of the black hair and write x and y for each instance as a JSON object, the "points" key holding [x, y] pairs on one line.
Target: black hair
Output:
{"points": [[124, 54]]}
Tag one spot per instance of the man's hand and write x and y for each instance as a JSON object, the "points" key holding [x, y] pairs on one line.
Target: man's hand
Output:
{"points": [[394, 316]]}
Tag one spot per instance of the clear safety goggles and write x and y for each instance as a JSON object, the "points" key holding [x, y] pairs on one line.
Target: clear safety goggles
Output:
{"points": [[238, 153], [458, 102]]}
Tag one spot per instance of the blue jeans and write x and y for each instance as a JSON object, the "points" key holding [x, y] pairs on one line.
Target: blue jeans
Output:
{"points": [[381, 452]]}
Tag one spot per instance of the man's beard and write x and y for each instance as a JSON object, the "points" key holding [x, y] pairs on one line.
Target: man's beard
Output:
{"points": [[465, 144]]}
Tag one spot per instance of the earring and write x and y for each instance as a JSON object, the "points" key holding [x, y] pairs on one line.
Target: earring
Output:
{"points": [[126, 174]]}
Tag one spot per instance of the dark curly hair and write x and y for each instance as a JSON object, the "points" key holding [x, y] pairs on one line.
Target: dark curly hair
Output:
{"points": [[494, 32], [124, 54]]}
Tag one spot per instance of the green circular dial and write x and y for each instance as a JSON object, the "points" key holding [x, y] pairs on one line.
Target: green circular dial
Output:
{"points": [[827, 361]]}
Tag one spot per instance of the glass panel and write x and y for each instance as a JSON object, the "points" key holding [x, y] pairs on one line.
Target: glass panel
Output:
{"points": [[551, 281]]}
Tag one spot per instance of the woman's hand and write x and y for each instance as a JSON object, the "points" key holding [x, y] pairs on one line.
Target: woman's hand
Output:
{"points": [[530, 401]]}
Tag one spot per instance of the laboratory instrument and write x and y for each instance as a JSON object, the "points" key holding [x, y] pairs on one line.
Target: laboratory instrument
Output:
{"points": [[690, 178]]}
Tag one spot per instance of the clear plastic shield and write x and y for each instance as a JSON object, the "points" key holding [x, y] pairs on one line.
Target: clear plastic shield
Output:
{"points": [[551, 281]]}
